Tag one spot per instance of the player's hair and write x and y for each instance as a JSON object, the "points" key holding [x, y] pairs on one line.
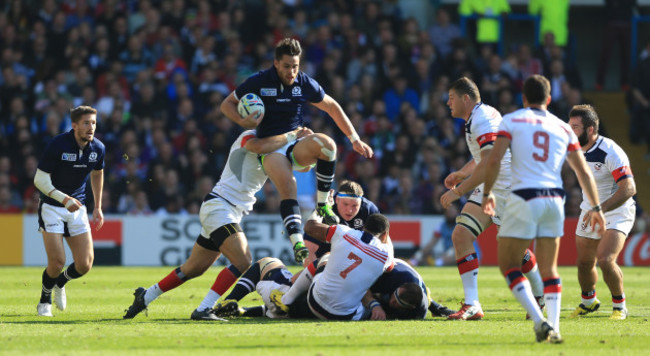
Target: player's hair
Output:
{"points": [[289, 46], [411, 294], [464, 85], [587, 115], [350, 187], [537, 89], [376, 224], [79, 111]]}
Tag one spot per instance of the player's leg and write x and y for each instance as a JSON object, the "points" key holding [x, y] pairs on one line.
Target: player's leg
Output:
{"points": [[235, 248], [469, 225], [609, 248], [83, 255], [547, 252], [279, 170], [586, 248], [320, 149], [201, 258], [55, 251], [531, 271], [300, 285]]}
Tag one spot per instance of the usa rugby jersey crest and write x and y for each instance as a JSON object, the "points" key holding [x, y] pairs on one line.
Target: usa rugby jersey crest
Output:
{"points": [[610, 165], [69, 166], [283, 105]]}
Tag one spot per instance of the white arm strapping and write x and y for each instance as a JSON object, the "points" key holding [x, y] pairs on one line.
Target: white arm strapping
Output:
{"points": [[43, 181]]}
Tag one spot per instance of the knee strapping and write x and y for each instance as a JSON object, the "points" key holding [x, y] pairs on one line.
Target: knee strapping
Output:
{"points": [[470, 223], [330, 154]]}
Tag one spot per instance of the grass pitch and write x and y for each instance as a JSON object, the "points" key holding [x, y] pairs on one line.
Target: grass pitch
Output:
{"points": [[93, 323]]}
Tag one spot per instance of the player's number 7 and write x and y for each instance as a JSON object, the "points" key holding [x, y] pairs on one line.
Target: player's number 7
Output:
{"points": [[357, 261]]}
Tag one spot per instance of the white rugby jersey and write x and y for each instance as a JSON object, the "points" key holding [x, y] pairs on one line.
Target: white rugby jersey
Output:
{"points": [[356, 260], [609, 164], [242, 176], [480, 133], [539, 145]]}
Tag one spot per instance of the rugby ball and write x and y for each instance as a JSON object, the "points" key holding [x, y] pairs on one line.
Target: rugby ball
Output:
{"points": [[250, 103]]}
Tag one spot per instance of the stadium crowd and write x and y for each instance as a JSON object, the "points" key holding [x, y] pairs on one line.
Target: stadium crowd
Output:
{"points": [[157, 72]]}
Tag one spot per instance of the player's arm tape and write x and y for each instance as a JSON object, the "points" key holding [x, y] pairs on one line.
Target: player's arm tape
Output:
{"points": [[373, 304], [43, 181], [353, 137], [290, 136]]}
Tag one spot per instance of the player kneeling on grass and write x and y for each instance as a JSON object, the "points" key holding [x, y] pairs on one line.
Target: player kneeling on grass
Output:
{"points": [[220, 214], [356, 260]]}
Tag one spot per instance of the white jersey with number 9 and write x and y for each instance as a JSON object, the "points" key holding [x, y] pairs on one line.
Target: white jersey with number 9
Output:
{"points": [[539, 145]]}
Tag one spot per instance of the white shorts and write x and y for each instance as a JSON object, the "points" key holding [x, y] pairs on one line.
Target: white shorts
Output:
{"points": [[536, 217], [264, 289], [215, 213], [621, 219], [58, 220], [501, 196], [287, 151]]}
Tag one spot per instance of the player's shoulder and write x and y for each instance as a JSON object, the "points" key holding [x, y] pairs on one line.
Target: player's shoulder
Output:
{"points": [[62, 141], [516, 114], [611, 148], [98, 145], [369, 206]]}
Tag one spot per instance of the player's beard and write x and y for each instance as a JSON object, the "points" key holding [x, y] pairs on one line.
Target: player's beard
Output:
{"points": [[583, 139]]}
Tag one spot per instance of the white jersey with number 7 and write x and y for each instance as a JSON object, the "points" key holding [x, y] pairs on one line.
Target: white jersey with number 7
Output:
{"points": [[356, 260], [539, 145]]}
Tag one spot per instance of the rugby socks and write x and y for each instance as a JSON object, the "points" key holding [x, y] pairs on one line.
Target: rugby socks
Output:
{"points": [[530, 270], [324, 179], [588, 298], [301, 285], [618, 301], [65, 276], [553, 299], [173, 280], [246, 283], [46, 291], [224, 281], [520, 288], [290, 212], [468, 269]]}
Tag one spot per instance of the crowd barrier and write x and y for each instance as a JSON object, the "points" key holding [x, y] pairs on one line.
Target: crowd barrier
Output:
{"points": [[168, 240]]}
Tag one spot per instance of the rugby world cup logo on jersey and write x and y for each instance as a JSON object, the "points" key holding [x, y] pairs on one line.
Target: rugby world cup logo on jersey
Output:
{"points": [[69, 157], [92, 157], [268, 92], [296, 91]]}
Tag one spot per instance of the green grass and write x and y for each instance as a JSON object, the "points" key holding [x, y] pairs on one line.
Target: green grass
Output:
{"points": [[93, 322]]}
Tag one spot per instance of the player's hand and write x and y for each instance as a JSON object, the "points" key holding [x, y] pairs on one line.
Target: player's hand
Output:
{"points": [[448, 198], [98, 218], [453, 179], [488, 205], [303, 132], [377, 313], [76, 205], [252, 120], [362, 148], [593, 218]]}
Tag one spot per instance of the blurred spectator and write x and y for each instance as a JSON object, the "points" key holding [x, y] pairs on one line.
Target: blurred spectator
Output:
{"points": [[487, 27], [618, 15], [640, 101], [439, 251], [443, 32], [554, 18]]}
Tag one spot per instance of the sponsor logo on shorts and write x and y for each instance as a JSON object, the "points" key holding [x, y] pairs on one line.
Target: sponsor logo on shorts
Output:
{"points": [[268, 92], [50, 225], [69, 157]]}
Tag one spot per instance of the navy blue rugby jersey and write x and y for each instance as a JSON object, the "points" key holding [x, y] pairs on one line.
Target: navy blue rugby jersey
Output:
{"points": [[367, 208], [283, 107], [388, 282], [69, 166]]}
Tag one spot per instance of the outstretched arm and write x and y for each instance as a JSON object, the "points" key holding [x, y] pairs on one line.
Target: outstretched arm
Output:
{"points": [[334, 110]]}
